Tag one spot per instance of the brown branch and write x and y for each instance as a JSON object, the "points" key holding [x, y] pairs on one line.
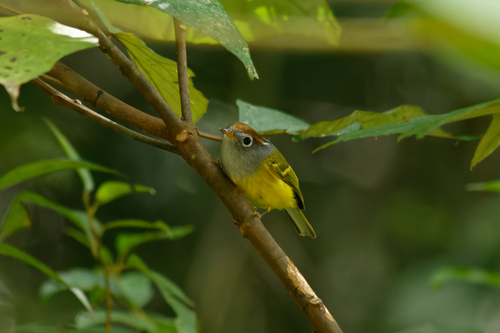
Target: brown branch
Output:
{"points": [[75, 105], [184, 135], [182, 74]]}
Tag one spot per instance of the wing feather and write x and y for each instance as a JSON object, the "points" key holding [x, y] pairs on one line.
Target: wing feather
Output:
{"points": [[284, 171]]}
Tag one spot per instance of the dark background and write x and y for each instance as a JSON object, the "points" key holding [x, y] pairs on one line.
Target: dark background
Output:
{"points": [[388, 214]]}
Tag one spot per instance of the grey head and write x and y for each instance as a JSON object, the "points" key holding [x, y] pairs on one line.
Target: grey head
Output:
{"points": [[243, 150]]}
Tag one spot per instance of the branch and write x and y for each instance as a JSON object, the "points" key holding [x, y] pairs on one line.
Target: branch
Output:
{"points": [[180, 45], [185, 137], [75, 105]]}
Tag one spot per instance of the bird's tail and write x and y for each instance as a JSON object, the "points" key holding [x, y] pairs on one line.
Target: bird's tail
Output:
{"points": [[300, 222]]}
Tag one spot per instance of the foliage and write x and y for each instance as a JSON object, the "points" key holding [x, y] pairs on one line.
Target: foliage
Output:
{"points": [[114, 278]]}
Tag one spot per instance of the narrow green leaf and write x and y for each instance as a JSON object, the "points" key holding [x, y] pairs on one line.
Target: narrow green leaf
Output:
{"points": [[467, 275], [477, 110], [489, 142], [34, 198], [11, 251], [31, 45], [186, 318], [39, 168], [210, 18], [77, 235], [113, 190], [368, 120], [85, 175], [134, 223], [268, 121], [162, 73], [127, 241], [491, 186], [16, 218], [84, 320], [186, 321], [164, 324]]}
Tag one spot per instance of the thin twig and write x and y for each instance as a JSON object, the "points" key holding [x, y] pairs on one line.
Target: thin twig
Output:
{"points": [[61, 99], [7, 9], [182, 74], [52, 80], [210, 136]]}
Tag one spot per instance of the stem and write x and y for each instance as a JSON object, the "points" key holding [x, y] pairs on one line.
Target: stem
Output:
{"points": [[61, 99], [182, 74]]}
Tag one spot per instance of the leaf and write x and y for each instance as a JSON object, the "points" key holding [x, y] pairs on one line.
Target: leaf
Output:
{"points": [[34, 198], [84, 320], [209, 17], [162, 74], [477, 110], [81, 278], [468, 275], [77, 235], [85, 175], [127, 241], [186, 321], [134, 223], [164, 324], [31, 45], [11, 251], [491, 186], [113, 190], [268, 121], [489, 142], [257, 20], [15, 219], [367, 120], [39, 168], [135, 287], [268, 19]]}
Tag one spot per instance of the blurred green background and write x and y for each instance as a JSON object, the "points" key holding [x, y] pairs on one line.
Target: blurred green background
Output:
{"points": [[387, 214]]}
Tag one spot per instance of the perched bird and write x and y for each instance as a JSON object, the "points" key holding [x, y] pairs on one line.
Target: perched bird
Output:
{"points": [[257, 167]]}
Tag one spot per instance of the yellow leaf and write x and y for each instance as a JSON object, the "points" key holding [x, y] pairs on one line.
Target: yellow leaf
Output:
{"points": [[489, 142]]}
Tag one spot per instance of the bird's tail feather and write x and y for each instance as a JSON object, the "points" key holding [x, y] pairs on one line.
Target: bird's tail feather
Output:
{"points": [[300, 222]]}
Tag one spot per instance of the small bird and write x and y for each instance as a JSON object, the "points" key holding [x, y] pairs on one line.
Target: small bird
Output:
{"points": [[257, 167]]}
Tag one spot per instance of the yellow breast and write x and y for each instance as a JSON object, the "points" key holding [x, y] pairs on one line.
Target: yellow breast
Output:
{"points": [[265, 189]]}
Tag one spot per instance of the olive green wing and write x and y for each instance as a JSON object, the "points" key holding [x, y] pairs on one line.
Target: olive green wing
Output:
{"points": [[284, 171]]}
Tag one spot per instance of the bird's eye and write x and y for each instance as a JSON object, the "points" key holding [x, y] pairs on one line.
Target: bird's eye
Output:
{"points": [[247, 141]]}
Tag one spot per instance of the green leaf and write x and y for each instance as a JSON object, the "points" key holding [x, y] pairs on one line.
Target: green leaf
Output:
{"points": [[269, 19], [31, 45], [34, 198], [467, 275], [39, 168], [186, 321], [432, 123], [77, 235], [16, 218], [489, 142], [161, 72], [127, 241], [367, 120], [186, 318], [85, 175], [134, 223], [135, 287], [210, 18], [268, 121], [491, 186], [113, 190], [11, 251], [164, 324], [84, 320], [81, 278]]}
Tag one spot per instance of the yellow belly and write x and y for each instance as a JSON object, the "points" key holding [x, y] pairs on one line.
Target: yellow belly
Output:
{"points": [[266, 190]]}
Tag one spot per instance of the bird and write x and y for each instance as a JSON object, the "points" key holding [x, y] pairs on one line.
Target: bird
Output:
{"points": [[258, 168]]}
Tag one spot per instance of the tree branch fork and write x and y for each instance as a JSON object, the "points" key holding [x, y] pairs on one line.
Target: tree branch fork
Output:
{"points": [[183, 139]]}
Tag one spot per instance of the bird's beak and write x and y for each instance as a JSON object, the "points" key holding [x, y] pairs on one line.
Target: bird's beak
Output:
{"points": [[227, 132]]}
